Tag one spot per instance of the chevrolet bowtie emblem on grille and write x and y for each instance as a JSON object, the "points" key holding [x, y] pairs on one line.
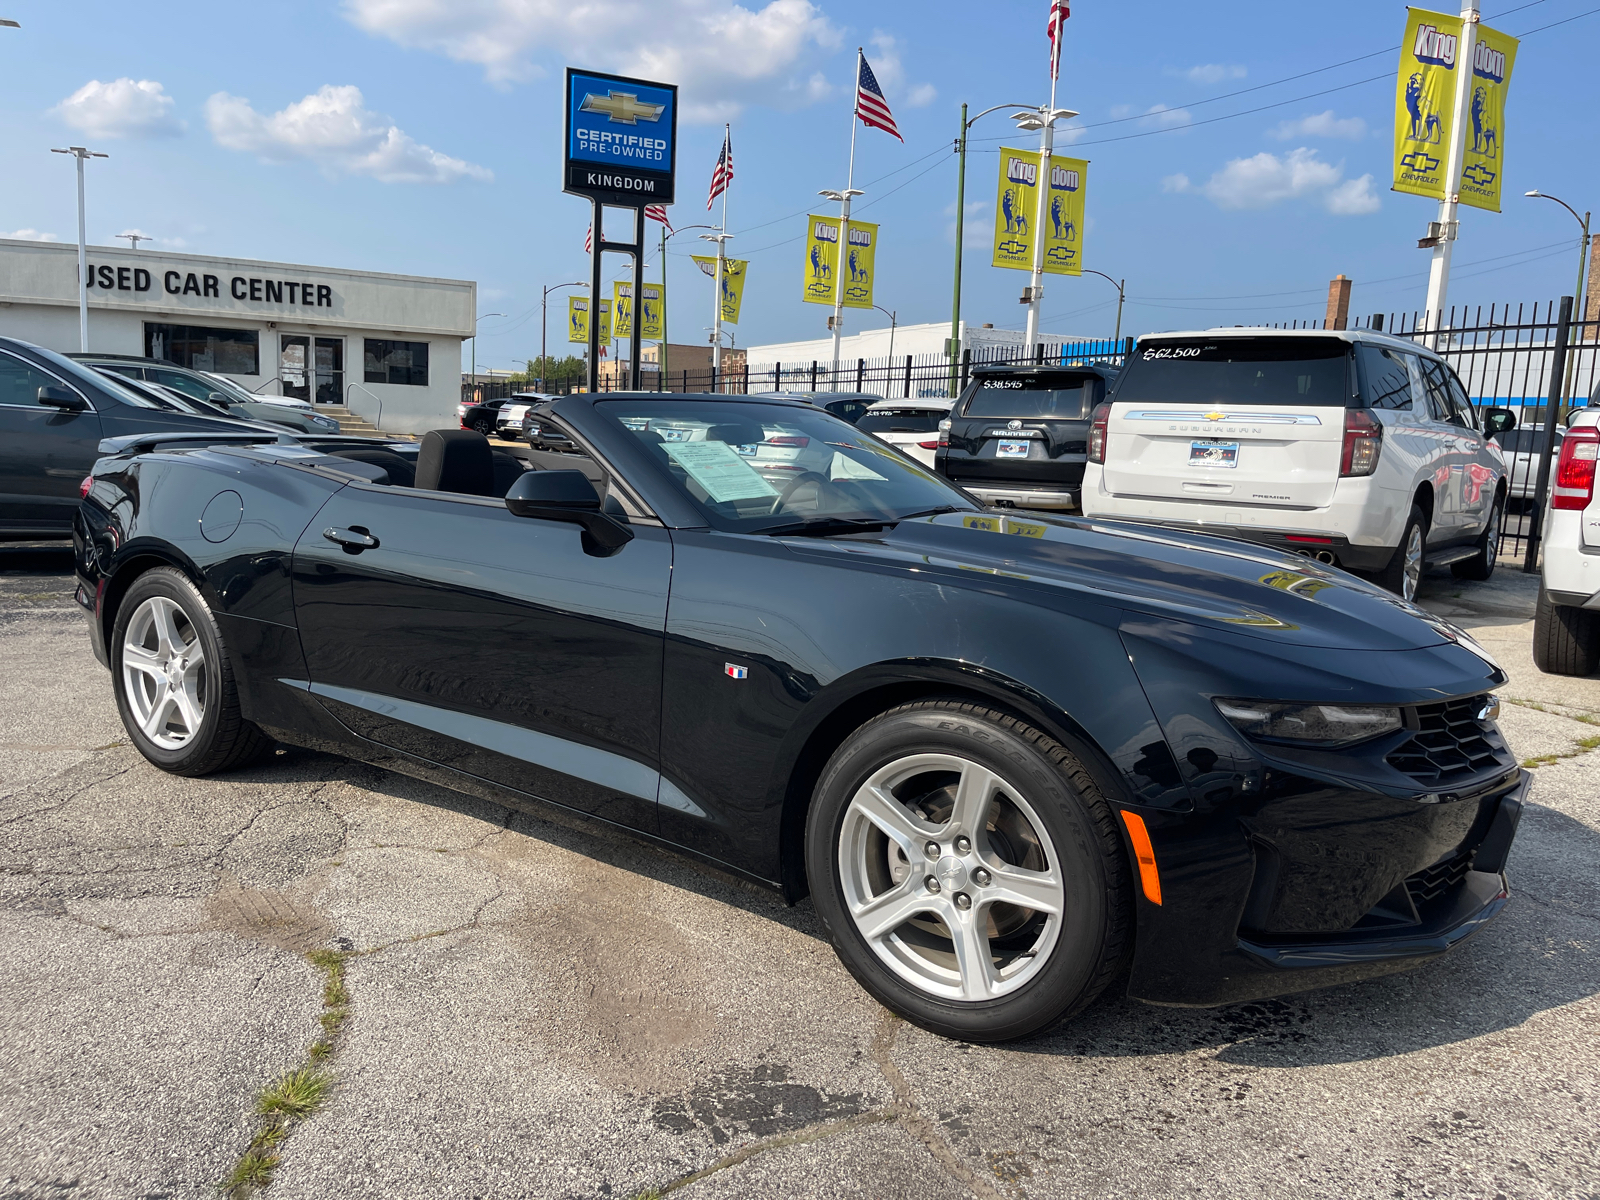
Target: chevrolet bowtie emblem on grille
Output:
{"points": [[1214, 416], [623, 108]]}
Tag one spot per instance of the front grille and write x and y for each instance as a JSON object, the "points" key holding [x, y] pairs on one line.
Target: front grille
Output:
{"points": [[1451, 745], [1432, 882]]}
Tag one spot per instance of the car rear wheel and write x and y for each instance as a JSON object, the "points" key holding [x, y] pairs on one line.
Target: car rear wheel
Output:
{"points": [[173, 682], [482, 425], [1566, 641], [970, 873], [1481, 565], [1403, 575]]}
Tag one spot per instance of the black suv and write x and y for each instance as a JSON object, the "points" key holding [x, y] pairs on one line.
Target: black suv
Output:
{"points": [[1018, 436]]}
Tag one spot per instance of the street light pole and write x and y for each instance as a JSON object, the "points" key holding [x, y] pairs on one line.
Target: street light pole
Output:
{"points": [[1578, 297], [667, 232], [480, 317], [135, 238], [961, 220], [79, 153], [1121, 295], [544, 326]]}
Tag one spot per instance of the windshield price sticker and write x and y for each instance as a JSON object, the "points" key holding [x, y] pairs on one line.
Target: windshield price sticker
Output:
{"points": [[1175, 352], [1003, 383], [717, 467]]}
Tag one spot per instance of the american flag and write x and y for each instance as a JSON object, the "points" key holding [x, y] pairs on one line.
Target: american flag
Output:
{"points": [[657, 212], [871, 107], [588, 240], [1059, 12], [722, 176]]}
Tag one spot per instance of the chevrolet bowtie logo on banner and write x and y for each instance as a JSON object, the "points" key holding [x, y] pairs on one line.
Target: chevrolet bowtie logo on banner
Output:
{"points": [[851, 270], [622, 138], [733, 274], [578, 319], [622, 307], [1017, 203]]}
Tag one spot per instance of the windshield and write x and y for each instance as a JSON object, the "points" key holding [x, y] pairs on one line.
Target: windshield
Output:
{"points": [[233, 391], [901, 420], [753, 467], [1238, 370], [1047, 396]]}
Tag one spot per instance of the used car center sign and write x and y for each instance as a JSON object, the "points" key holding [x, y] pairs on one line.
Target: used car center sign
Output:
{"points": [[622, 141]]}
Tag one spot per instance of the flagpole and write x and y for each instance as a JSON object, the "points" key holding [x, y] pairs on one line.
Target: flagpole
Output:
{"points": [[663, 385], [844, 225], [722, 243]]}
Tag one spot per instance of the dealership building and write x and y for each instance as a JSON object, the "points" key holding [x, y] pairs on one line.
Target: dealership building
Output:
{"points": [[387, 347]]}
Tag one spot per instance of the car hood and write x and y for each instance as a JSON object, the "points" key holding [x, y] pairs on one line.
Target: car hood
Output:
{"points": [[1173, 576]]}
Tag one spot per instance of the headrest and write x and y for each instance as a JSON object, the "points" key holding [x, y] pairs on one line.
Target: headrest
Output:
{"points": [[455, 460]]}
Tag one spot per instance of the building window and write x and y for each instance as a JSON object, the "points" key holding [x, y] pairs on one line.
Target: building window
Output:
{"points": [[397, 362], [230, 351]]}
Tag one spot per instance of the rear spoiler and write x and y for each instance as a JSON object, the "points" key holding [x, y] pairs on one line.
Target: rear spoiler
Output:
{"points": [[134, 443]]}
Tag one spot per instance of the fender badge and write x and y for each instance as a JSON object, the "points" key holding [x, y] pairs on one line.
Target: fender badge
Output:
{"points": [[733, 672]]}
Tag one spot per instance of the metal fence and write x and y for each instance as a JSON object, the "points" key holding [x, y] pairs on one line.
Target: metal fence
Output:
{"points": [[903, 376]]}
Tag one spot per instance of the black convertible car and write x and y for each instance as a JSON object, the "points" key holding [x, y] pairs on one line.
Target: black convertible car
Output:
{"points": [[1013, 758]]}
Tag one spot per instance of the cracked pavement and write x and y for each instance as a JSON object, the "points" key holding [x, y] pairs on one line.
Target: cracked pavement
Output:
{"points": [[541, 1008]]}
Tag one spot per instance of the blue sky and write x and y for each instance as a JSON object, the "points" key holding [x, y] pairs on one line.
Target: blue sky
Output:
{"points": [[423, 137]]}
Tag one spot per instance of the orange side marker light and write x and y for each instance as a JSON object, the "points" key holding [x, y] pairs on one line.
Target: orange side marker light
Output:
{"points": [[1145, 853]]}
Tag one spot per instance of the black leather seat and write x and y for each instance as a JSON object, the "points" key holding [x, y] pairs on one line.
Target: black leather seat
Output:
{"points": [[456, 460], [401, 473]]}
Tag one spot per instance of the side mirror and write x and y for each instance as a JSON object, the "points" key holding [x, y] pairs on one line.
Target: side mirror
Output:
{"points": [[1498, 420], [62, 398], [567, 496]]}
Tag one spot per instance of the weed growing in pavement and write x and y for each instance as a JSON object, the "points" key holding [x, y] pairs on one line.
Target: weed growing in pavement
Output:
{"points": [[1544, 760], [300, 1093]]}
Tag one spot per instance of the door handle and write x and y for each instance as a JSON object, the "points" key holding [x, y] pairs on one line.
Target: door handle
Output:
{"points": [[354, 540]]}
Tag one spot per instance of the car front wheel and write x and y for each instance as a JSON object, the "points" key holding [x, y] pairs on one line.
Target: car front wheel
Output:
{"points": [[969, 871], [173, 682], [482, 426]]}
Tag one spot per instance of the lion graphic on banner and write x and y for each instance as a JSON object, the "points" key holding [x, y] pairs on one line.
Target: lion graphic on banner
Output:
{"points": [[1485, 141], [1425, 126], [858, 274], [1011, 209], [819, 268], [1065, 229]]}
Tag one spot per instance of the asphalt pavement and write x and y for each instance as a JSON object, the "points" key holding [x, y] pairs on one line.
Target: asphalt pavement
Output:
{"points": [[536, 1008]]}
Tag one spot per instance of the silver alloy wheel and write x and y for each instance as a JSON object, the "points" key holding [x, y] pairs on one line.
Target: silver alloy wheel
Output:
{"points": [[1411, 577], [163, 673], [951, 877]]}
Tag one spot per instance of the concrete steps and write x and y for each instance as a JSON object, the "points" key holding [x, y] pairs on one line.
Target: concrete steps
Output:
{"points": [[349, 423]]}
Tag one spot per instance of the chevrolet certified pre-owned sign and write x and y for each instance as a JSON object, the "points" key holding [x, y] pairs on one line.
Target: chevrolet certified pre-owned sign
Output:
{"points": [[621, 138]]}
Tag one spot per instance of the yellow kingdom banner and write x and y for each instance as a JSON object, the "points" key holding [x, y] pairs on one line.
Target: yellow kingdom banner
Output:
{"points": [[861, 248], [1424, 102], [733, 274], [578, 320], [1493, 56], [622, 309], [822, 259], [653, 304], [1016, 206]]}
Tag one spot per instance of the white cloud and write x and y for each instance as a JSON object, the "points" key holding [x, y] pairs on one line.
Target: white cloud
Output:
{"points": [[121, 108], [891, 75], [725, 54], [921, 96], [1266, 179], [1210, 73], [30, 235], [1323, 124], [1159, 116], [333, 128]]}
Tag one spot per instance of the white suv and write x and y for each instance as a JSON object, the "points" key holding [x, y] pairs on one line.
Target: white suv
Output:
{"points": [[1352, 447], [1566, 625]]}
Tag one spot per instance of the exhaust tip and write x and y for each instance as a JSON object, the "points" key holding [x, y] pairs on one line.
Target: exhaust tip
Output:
{"points": [[1325, 557]]}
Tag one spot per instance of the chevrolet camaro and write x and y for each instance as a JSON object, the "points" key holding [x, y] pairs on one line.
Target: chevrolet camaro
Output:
{"points": [[1014, 759]]}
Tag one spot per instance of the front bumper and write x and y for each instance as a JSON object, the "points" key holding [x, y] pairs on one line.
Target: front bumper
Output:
{"points": [[1212, 958], [1311, 544]]}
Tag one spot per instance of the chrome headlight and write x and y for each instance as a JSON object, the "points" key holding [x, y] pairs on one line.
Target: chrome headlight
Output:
{"points": [[326, 422], [1328, 725]]}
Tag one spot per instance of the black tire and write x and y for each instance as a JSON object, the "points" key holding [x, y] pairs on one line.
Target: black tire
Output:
{"points": [[1481, 565], [1566, 641], [1093, 936], [482, 425], [223, 739], [1395, 577]]}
